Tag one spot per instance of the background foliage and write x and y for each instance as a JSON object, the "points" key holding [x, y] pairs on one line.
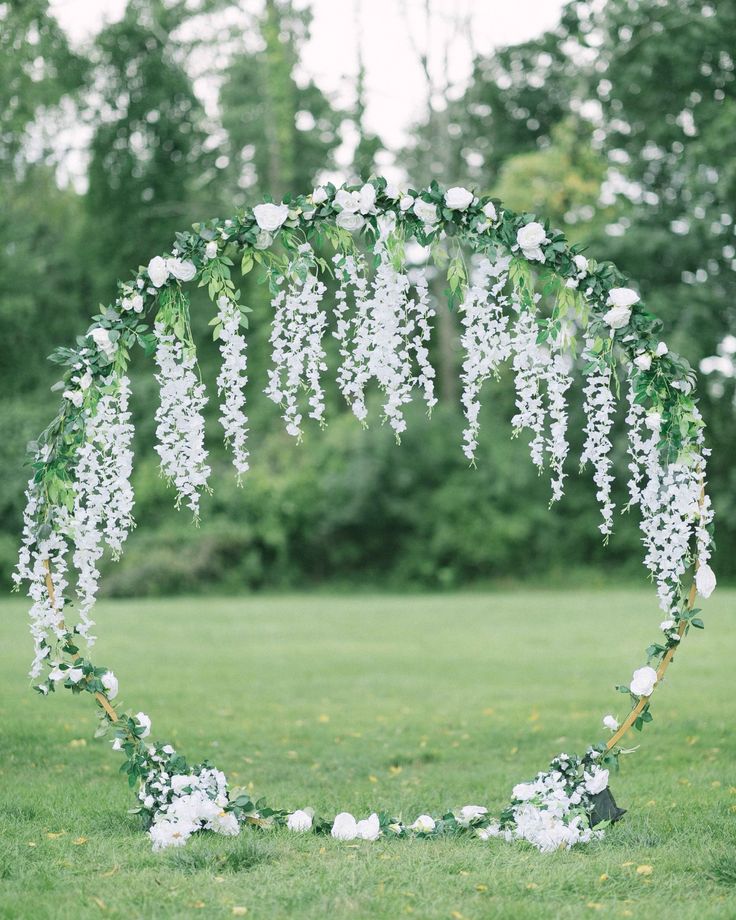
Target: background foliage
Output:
{"points": [[617, 124]]}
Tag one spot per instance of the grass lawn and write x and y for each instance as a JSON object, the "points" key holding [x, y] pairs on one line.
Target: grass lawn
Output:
{"points": [[406, 704]]}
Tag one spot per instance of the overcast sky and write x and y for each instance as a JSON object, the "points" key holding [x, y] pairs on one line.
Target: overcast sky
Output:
{"points": [[388, 31]]}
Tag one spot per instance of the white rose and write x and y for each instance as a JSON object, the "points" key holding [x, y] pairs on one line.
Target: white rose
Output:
{"points": [[57, 674], [181, 269], [643, 361], [596, 781], [299, 821], [319, 195], [117, 744], [469, 813], [653, 421], [149, 802], [643, 681], [610, 722], [705, 580], [392, 191], [458, 198], [270, 216], [617, 317], [406, 202], [424, 824], [666, 625], [263, 239], [345, 827], [158, 271], [425, 211], [136, 303], [144, 722], [181, 782], [76, 397], [489, 209], [85, 381], [75, 675], [368, 829], [367, 199], [531, 237], [210, 250], [349, 220], [110, 683], [103, 341], [622, 297], [581, 263], [347, 201], [524, 791], [661, 350]]}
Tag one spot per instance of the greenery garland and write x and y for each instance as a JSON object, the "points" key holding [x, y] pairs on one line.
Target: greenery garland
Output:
{"points": [[81, 457]]}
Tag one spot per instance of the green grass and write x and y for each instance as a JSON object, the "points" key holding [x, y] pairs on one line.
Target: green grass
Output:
{"points": [[396, 703]]}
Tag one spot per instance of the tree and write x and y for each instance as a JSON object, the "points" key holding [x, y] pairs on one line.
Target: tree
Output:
{"points": [[281, 131]]}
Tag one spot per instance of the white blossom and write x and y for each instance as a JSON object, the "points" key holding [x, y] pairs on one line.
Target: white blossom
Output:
{"points": [[299, 821], [424, 824], [530, 238], [180, 424], [643, 681], [458, 199], [181, 269], [344, 827], [600, 407], [110, 683], [297, 351], [369, 828], [425, 211], [485, 340], [158, 271], [103, 496], [705, 580], [270, 217], [231, 382], [610, 722]]}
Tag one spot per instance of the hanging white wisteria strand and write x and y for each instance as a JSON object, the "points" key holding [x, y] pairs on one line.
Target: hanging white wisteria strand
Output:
{"points": [[485, 339], [103, 496], [600, 408], [298, 354], [231, 382], [351, 331], [79, 494], [179, 419]]}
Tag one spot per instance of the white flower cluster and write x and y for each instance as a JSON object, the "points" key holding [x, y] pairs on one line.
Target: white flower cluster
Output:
{"points": [[103, 496], [231, 380], [180, 804], [298, 353], [670, 509], [388, 331], [179, 420], [550, 811], [530, 364], [600, 407], [41, 560], [541, 370], [485, 340], [353, 374]]}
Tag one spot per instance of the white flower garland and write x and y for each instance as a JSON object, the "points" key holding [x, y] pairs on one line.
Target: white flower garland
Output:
{"points": [[383, 335], [231, 381], [180, 424]]}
